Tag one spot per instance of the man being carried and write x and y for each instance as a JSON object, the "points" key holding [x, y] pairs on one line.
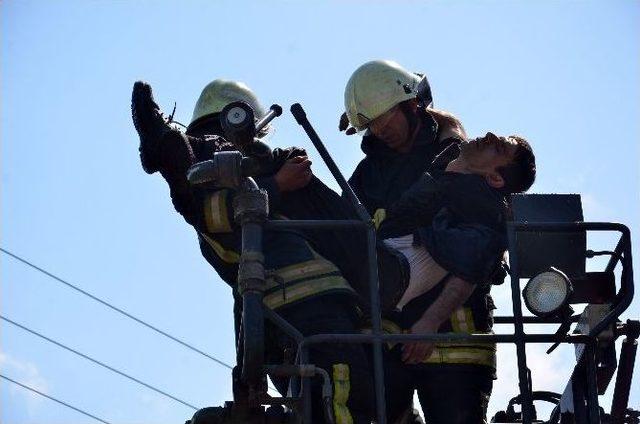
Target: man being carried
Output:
{"points": [[446, 234]]}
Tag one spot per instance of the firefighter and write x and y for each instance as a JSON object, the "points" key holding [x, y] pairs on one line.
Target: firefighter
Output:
{"points": [[448, 232], [303, 287], [402, 135], [401, 142]]}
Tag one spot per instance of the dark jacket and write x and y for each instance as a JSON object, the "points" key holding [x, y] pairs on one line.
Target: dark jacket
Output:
{"points": [[384, 174], [295, 272], [459, 219]]}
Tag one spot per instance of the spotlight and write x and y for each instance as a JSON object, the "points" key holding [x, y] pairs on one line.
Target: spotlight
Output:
{"points": [[546, 294]]}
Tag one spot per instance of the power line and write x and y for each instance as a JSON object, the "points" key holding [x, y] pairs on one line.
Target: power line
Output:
{"points": [[115, 308], [95, 361], [55, 400]]}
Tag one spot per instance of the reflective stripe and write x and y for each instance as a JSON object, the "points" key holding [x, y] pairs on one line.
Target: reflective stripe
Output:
{"points": [[341, 389], [471, 353], [228, 256], [378, 216], [476, 355], [216, 214], [462, 321], [390, 327], [311, 268], [304, 289], [305, 279]]}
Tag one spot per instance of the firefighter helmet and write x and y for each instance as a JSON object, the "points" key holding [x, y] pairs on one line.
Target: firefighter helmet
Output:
{"points": [[219, 93], [376, 87]]}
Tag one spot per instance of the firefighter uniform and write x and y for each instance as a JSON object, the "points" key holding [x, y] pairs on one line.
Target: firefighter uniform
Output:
{"points": [[304, 287], [379, 181]]}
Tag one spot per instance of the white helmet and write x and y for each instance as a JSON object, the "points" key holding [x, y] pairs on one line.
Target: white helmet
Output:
{"points": [[219, 93], [376, 87]]}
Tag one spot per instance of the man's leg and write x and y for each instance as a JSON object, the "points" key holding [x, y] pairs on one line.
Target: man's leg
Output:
{"points": [[398, 387], [346, 248], [346, 364], [452, 396]]}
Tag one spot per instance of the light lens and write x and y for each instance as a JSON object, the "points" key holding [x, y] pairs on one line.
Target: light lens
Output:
{"points": [[546, 293]]}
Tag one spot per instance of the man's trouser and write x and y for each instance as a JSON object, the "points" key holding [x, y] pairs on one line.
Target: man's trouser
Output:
{"points": [[448, 394], [346, 364], [346, 248]]}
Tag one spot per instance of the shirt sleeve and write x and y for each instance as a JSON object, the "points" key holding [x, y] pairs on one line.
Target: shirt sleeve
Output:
{"points": [[415, 209]]}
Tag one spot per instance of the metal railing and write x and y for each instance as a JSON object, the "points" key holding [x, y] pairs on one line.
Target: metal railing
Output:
{"points": [[254, 312]]}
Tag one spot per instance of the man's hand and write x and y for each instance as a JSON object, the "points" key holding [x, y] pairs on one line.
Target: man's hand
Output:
{"points": [[415, 353], [455, 292], [294, 174]]}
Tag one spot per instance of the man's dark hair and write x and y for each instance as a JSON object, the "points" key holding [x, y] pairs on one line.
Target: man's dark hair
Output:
{"points": [[520, 174]]}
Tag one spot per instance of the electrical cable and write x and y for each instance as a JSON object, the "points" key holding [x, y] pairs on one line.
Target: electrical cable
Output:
{"points": [[95, 361], [55, 400], [115, 308]]}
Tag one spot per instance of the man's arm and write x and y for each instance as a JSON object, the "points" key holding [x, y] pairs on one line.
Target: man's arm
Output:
{"points": [[216, 215], [416, 208], [453, 296]]}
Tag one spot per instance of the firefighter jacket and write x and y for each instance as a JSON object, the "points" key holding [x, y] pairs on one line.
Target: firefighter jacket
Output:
{"points": [[294, 270], [460, 220]]}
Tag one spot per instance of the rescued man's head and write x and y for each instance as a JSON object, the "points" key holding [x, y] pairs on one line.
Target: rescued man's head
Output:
{"points": [[507, 163]]}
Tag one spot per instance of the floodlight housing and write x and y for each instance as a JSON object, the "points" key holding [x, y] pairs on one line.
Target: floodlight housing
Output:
{"points": [[547, 293]]}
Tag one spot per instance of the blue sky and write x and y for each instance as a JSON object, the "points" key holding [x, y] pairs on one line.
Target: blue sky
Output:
{"points": [[75, 201]]}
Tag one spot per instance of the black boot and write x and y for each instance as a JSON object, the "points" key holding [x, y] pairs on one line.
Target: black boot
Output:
{"points": [[150, 124]]}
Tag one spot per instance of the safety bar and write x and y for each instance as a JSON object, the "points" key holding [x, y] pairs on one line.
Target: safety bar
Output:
{"points": [[446, 338], [376, 319]]}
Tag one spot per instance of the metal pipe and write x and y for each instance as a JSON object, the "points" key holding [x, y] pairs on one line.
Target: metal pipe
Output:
{"points": [[305, 394], [560, 227], [282, 324], [301, 118], [625, 294], [376, 324], [613, 261], [578, 383], [443, 338], [518, 325], [533, 320], [253, 331], [314, 224], [623, 379], [589, 357], [251, 285], [274, 112]]}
